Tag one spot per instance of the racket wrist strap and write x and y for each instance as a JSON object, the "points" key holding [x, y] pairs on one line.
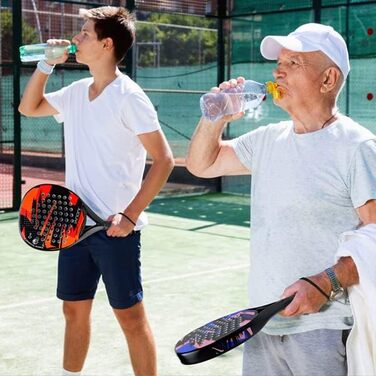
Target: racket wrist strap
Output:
{"points": [[316, 286], [130, 220]]}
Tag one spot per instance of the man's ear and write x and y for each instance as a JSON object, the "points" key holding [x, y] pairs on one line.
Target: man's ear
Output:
{"points": [[108, 43], [330, 79]]}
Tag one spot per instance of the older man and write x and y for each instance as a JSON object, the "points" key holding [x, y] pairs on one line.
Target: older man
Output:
{"points": [[313, 177]]}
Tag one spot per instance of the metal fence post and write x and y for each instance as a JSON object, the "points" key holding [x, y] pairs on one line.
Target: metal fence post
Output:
{"points": [[317, 10], [16, 43], [222, 10], [221, 60], [130, 69]]}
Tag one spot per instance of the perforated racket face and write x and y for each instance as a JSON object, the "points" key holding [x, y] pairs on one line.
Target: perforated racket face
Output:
{"points": [[51, 217], [216, 330]]}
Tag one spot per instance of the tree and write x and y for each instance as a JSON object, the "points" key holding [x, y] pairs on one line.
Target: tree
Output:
{"points": [[29, 35], [176, 46]]}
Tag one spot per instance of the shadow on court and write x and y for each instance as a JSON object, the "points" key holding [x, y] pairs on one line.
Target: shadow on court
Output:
{"points": [[213, 208], [195, 261]]}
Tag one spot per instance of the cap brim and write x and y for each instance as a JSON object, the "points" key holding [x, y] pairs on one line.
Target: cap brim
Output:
{"points": [[272, 45]]}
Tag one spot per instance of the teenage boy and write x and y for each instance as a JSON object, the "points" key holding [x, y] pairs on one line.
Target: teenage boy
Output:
{"points": [[109, 127]]}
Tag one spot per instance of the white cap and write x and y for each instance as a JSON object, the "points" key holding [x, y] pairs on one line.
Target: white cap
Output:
{"points": [[308, 38]]}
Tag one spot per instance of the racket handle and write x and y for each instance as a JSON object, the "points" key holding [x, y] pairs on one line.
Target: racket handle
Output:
{"points": [[106, 225], [283, 303], [268, 311], [279, 305]]}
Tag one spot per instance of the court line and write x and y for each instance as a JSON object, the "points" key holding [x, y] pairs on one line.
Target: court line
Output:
{"points": [[157, 280], [198, 229]]}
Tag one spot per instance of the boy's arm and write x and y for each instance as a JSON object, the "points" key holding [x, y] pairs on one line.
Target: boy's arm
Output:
{"points": [[33, 102], [158, 149]]}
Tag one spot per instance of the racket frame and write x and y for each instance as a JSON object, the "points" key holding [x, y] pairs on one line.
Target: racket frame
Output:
{"points": [[85, 231], [224, 344]]}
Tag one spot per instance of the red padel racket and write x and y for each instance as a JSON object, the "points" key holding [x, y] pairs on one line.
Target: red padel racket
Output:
{"points": [[222, 335], [53, 217]]}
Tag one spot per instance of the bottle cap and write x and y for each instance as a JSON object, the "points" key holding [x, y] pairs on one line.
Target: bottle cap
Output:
{"points": [[72, 48], [272, 88]]}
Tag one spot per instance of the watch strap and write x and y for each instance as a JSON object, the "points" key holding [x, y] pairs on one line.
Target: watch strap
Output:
{"points": [[336, 285]]}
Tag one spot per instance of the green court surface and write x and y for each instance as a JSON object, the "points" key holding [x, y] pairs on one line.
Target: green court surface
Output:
{"points": [[195, 260]]}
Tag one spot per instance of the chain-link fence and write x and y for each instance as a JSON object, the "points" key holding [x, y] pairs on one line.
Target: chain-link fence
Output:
{"points": [[173, 60], [182, 49], [253, 20]]}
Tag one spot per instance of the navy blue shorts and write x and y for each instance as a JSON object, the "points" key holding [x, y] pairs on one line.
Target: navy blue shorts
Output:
{"points": [[117, 260]]}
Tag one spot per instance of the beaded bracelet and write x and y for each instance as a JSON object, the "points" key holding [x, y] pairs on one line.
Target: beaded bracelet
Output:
{"points": [[44, 67]]}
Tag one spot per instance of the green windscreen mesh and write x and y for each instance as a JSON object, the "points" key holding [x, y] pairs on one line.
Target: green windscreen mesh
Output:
{"points": [[259, 6], [253, 20], [175, 64], [175, 60]]}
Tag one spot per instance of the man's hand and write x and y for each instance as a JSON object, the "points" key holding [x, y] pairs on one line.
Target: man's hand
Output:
{"points": [[232, 100], [208, 155], [120, 226], [307, 298], [58, 42]]}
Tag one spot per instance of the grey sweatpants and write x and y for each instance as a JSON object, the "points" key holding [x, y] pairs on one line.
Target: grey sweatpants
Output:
{"points": [[314, 353]]}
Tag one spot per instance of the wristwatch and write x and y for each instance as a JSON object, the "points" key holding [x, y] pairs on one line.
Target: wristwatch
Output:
{"points": [[337, 290]]}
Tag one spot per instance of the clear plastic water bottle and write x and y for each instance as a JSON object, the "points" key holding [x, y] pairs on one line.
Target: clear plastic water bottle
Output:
{"points": [[44, 51], [238, 99]]}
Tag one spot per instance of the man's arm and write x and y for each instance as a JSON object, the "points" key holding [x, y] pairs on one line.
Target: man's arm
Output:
{"points": [[308, 299], [209, 156], [157, 147]]}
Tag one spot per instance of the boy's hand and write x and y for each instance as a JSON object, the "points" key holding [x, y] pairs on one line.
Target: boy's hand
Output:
{"points": [[62, 59], [120, 226]]}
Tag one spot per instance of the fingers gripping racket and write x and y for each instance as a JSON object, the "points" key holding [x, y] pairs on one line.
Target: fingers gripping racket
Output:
{"points": [[53, 217], [222, 335]]}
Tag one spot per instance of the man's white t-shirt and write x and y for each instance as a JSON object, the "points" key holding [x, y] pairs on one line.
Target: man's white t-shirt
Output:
{"points": [[105, 159], [304, 191]]}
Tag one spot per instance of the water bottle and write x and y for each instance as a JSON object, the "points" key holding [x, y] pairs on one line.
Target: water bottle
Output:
{"points": [[238, 99], [44, 51]]}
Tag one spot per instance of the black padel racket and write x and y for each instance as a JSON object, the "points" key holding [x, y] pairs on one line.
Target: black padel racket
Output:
{"points": [[222, 335], [53, 217]]}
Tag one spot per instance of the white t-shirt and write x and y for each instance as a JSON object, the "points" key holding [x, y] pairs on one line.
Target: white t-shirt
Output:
{"points": [[303, 193], [105, 159]]}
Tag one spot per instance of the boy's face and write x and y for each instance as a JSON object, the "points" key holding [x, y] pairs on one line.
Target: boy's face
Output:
{"points": [[89, 48]]}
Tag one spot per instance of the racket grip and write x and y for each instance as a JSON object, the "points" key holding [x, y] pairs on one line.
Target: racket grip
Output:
{"points": [[268, 312], [286, 301], [106, 225], [280, 305]]}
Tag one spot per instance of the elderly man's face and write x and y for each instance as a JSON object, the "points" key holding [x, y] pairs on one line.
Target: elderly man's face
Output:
{"points": [[299, 76]]}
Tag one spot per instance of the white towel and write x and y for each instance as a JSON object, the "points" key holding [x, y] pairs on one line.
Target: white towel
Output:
{"points": [[361, 345]]}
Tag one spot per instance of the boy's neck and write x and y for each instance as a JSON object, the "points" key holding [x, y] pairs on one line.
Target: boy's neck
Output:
{"points": [[103, 75]]}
